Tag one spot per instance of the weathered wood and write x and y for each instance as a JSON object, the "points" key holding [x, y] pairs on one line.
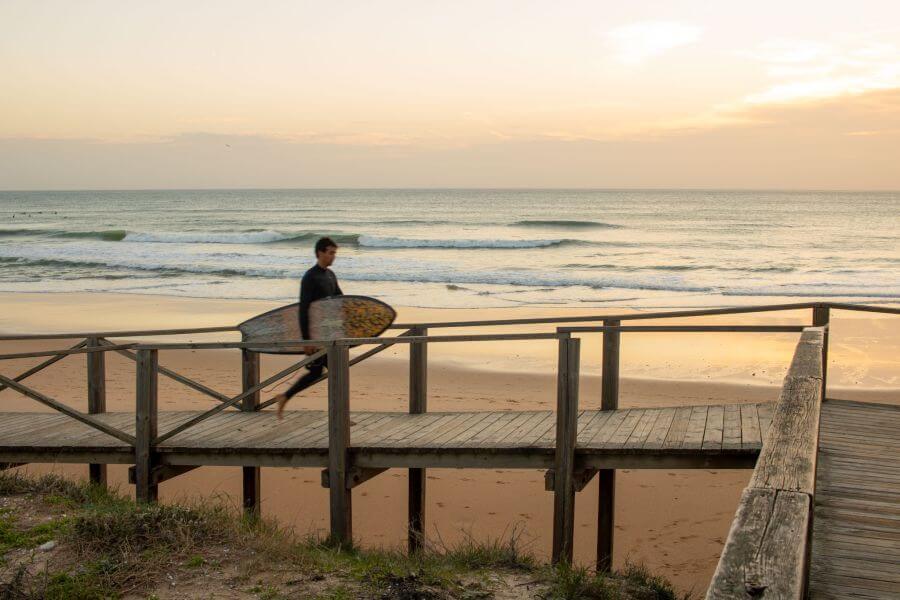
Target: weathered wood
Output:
{"points": [[581, 478], [629, 316], [856, 527], [418, 403], [566, 431], [765, 553], [64, 352], [110, 334], [767, 548], [160, 473], [146, 425], [606, 519], [338, 444], [609, 400], [250, 476], [686, 329], [87, 420], [821, 317], [96, 390], [355, 477]]}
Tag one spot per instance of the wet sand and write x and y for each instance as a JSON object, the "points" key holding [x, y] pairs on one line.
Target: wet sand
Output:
{"points": [[673, 521]]}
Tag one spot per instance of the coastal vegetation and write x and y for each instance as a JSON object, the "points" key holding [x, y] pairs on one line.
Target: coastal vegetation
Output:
{"points": [[64, 539]]}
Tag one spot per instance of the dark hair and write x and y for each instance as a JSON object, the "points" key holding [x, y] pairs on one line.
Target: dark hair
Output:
{"points": [[324, 244]]}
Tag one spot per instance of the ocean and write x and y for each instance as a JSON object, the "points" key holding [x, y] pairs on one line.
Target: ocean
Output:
{"points": [[461, 248]]}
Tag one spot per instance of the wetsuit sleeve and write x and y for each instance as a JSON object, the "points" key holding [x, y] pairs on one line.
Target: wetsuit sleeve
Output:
{"points": [[338, 288], [306, 296]]}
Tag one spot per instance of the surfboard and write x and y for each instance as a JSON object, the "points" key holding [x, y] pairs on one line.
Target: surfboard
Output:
{"points": [[329, 318]]}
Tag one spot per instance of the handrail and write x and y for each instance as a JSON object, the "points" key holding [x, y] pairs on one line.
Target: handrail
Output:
{"points": [[487, 323], [687, 328], [766, 553], [77, 349], [352, 341], [109, 334]]}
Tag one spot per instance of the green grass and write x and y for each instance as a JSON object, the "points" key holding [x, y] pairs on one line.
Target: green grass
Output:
{"points": [[122, 547]]}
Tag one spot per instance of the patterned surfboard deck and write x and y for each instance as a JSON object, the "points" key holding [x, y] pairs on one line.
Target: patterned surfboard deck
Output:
{"points": [[330, 318]]}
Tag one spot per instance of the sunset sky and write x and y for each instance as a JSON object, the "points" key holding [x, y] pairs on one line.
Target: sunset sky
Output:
{"points": [[769, 94]]}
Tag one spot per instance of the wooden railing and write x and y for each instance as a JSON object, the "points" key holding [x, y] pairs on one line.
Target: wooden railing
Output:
{"points": [[96, 344], [767, 549]]}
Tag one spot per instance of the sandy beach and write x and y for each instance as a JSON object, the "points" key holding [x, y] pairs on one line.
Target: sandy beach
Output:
{"points": [[673, 521]]}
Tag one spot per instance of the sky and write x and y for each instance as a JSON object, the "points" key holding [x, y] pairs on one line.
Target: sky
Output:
{"points": [[212, 94]]}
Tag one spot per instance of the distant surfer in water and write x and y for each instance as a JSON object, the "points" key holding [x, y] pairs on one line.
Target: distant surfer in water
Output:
{"points": [[318, 282]]}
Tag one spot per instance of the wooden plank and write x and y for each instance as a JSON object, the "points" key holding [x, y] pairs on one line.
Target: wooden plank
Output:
{"points": [[693, 438], [765, 411], [750, 426], [462, 439], [675, 436], [660, 430], [762, 557], [493, 430], [625, 429], [715, 427], [788, 460], [70, 412], [447, 433], [537, 419], [642, 431], [592, 423], [731, 434]]}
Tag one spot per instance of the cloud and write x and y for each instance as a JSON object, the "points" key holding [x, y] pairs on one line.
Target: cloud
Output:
{"points": [[807, 70], [848, 142], [638, 42]]}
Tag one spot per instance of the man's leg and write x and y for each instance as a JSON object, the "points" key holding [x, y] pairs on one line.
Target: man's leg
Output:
{"points": [[315, 371]]}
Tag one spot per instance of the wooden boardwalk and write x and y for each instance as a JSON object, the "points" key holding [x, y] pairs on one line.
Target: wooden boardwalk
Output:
{"points": [[856, 520], [725, 436]]}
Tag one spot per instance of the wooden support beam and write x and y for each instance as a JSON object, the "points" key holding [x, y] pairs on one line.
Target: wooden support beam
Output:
{"points": [[145, 425], [581, 478], [96, 389], [160, 473], [251, 476], [822, 318], [609, 400], [418, 403], [564, 462], [341, 515], [355, 477]]}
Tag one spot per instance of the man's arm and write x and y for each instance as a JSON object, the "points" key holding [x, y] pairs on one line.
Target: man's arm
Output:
{"points": [[306, 296]]}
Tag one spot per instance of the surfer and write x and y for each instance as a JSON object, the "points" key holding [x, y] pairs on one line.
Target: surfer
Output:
{"points": [[317, 283]]}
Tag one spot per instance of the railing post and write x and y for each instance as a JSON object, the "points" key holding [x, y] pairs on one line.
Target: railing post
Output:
{"points": [[251, 475], [564, 465], [418, 403], [338, 444], [96, 389], [606, 478], [822, 318], [145, 424]]}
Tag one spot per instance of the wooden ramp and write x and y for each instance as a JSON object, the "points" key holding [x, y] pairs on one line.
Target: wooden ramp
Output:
{"points": [[856, 521], [691, 436]]}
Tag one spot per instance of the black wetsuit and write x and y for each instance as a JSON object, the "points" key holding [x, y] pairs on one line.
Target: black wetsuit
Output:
{"points": [[316, 284]]}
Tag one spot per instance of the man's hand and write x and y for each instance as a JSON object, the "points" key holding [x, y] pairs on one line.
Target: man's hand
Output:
{"points": [[310, 349]]}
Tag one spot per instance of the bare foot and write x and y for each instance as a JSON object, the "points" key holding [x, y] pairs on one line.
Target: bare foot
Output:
{"points": [[282, 400]]}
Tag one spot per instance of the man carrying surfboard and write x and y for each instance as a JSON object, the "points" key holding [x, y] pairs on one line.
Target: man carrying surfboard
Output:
{"points": [[317, 283]]}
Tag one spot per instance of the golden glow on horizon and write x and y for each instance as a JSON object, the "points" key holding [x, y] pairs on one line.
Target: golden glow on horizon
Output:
{"points": [[432, 76]]}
